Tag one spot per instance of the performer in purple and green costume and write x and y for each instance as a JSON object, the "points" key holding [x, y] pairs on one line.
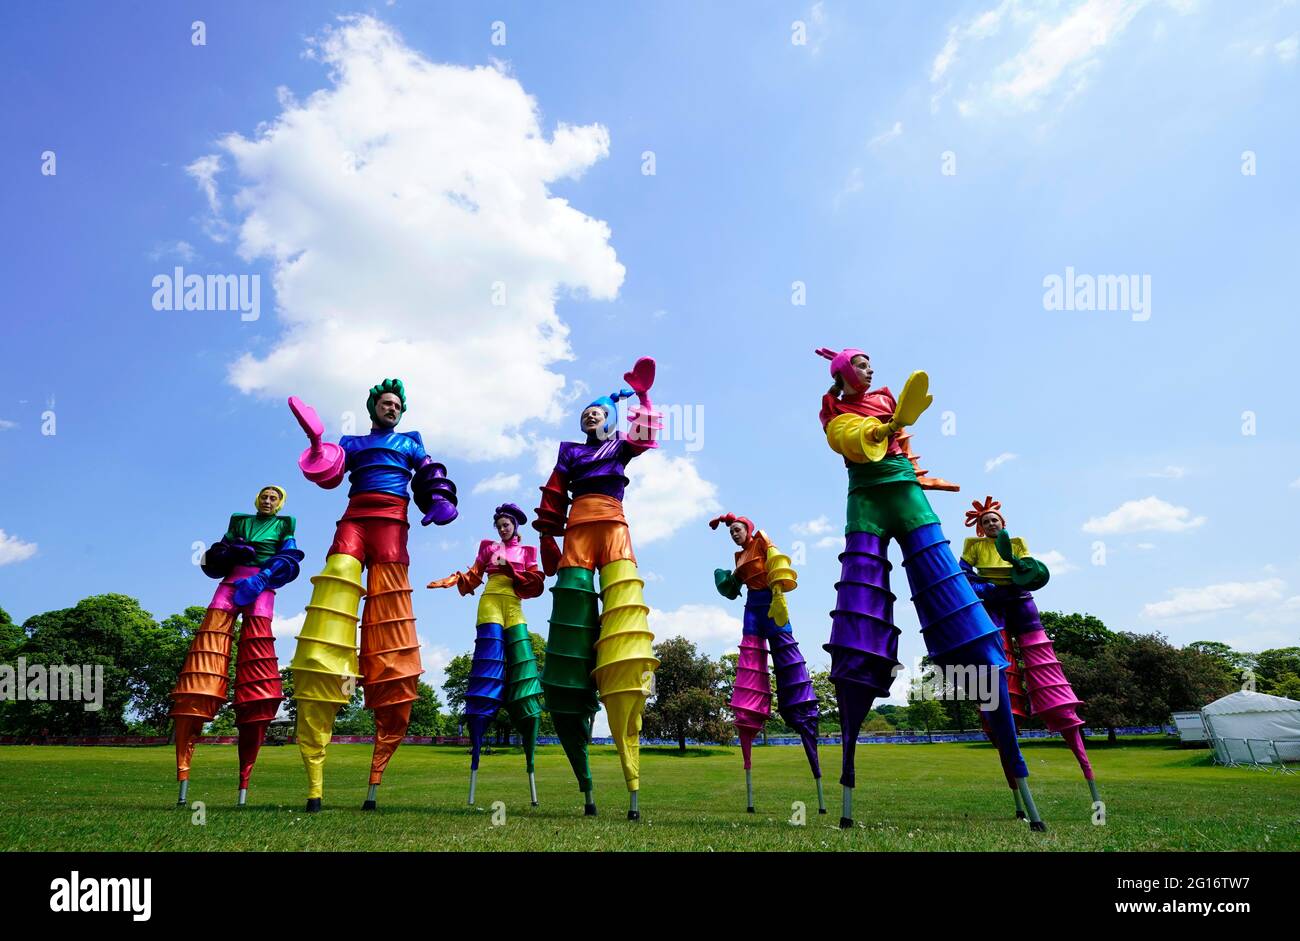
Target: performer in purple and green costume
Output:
{"points": [[886, 502]]}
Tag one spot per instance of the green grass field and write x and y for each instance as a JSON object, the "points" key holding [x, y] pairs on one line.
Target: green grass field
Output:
{"points": [[921, 797]]}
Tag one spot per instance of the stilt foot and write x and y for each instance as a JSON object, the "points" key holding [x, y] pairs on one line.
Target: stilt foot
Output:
{"points": [[846, 823], [1038, 826], [313, 805]]}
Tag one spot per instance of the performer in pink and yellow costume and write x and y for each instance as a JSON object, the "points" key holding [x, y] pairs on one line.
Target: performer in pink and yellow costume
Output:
{"points": [[767, 575], [504, 669]]}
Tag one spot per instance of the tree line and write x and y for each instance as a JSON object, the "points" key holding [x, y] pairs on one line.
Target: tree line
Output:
{"points": [[1124, 679]]}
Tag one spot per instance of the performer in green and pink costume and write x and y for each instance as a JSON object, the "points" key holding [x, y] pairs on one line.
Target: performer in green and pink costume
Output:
{"points": [[504, 670], [886, 502], [598, 650], [1003, 574], [766, 574], [257, 555]]}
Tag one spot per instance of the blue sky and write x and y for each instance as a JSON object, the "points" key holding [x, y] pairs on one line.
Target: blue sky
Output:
{"points": [[380, 173]]}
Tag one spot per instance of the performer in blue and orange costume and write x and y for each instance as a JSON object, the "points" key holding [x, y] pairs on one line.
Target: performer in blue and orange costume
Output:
{"points": [[1004, 575], [598, 649], [887, 502], [504, 669], [257, 555], [371, 534], [766, 574]]}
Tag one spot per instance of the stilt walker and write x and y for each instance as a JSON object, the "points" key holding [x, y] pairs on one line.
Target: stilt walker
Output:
{"points": [[504, 670], [372, 534], [1003, 574], [887, 502], [256, 556], [598, 650], [767, 575]]}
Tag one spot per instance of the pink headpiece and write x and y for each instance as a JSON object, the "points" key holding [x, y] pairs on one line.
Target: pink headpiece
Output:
{"points": [[841, 368], [730, 518]]}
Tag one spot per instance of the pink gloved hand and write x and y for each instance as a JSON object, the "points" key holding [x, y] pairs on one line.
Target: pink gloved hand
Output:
{"points": [[322, 463], [640, 378]]}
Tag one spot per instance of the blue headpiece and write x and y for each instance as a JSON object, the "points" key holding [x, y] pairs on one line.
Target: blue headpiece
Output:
{"points": [[609, 404]]}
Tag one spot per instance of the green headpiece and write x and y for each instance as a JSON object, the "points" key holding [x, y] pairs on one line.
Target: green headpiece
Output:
{"points": [[388, 385]]}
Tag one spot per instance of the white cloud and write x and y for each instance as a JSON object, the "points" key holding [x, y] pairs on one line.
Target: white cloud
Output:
{"points": [[994, 463], [818, 527], [830, 542], [664, 495], [851, 186], [7, 425], [395, 206], [1288, 612], [702, 624], [180, 249], [1169, 473], [1148, 515], [885, 137], [13, 549], [1191, 602], [1295, 484], [282, 627], [1146, 545], [1056, 563], [1288, 48], [1049, 48], [498, 483], [204, 170]]}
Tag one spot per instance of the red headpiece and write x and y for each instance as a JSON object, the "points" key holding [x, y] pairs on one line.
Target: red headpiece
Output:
{"points": [[730, 518], [988, 506]]}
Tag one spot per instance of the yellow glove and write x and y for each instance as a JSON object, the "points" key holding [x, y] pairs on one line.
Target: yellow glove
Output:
{"points": [[913, 401], [777, 610]]}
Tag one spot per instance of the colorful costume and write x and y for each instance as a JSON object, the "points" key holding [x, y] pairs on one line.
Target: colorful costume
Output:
{"points": [[256, 556], [504, 670], [1003, 574], [596, 651], [371, 534], [766, 575], [886, 501]]}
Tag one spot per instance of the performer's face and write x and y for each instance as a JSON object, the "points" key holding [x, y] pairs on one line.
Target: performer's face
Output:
{"points": [[991, 523], [268, 501], [593, 419], [388, 410], [862, 364], [505, 528], [739, 533]]}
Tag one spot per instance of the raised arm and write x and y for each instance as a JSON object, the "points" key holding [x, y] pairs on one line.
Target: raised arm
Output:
{"points": [[323, 463], [644, 423]]}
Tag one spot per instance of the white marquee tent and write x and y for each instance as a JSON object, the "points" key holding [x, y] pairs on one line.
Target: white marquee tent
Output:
{"points": [[1254, 728]]}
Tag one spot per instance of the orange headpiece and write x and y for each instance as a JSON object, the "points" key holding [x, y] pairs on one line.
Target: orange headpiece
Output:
{"points": [[989, 505]]}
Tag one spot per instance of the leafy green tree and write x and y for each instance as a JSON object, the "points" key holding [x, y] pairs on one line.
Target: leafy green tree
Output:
{"points": [[1080, 635], [11, 637], [1277, 670], [110, 631], [159, 663], [828, 708], [687, 701], [426, 713]]}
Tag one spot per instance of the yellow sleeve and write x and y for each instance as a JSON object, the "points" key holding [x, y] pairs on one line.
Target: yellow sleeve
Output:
{"points": [[969, 553], [853, 436], [1018, 548]]}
